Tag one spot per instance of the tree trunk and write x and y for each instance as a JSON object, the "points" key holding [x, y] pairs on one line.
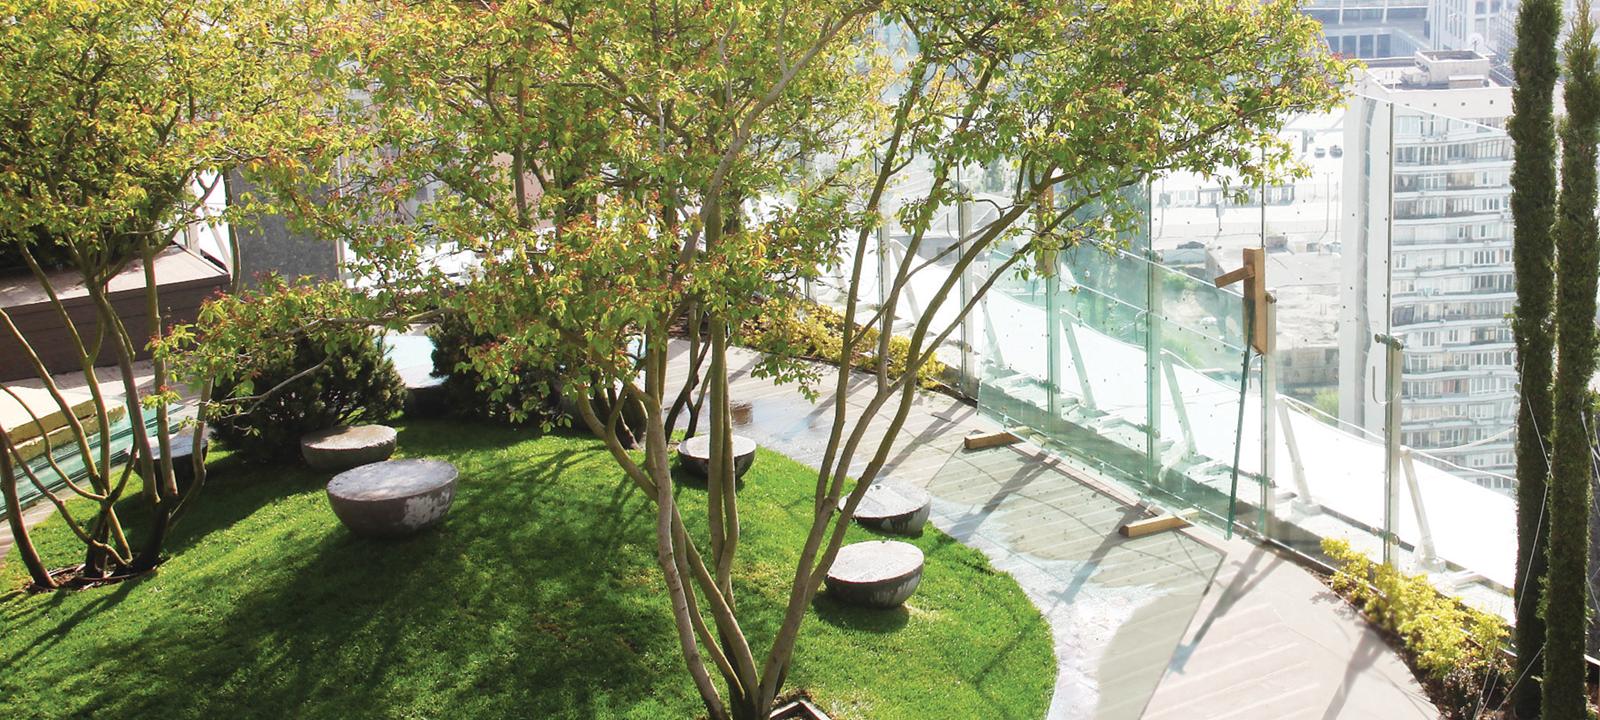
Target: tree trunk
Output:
{"points": [[19, 530], [96, 561], [150, 554], [1533, 180], [1577, 263], [605, 401]]}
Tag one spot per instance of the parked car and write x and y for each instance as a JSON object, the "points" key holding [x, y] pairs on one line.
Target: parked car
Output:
{"points": [[1321, 152], [1336, 151]]}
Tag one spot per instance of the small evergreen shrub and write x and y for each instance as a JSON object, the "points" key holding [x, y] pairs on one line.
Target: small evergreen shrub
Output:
{"points": [[1456, 648], [329, 373], [469, 394]]}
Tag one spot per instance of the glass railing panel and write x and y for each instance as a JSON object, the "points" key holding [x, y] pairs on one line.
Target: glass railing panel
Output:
{"points": [[1014, 375], [1097, 350], [1203, 414], [1328, 273], [1432, 274]]}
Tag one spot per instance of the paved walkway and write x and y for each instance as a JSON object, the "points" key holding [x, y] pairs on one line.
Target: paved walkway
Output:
{"points": [[1174, 625]]}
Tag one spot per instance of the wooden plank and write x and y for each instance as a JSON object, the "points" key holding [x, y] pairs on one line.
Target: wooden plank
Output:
{"points": [[1150, 526], [981, 441], [1254, 274], [1232, 276]]}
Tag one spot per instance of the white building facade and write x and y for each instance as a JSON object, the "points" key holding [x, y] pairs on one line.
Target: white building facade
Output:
{"points": [[1427, 259]]}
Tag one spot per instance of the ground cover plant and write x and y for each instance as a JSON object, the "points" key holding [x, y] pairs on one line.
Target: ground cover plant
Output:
{"points": [[538, 597], [1455, 650]]}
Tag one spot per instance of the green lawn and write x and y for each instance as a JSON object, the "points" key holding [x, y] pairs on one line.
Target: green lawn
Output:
{"points": [[537, 598]]}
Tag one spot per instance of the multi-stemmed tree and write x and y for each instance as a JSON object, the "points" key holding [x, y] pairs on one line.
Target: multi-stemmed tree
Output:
{"points": [[1566, 605], [116, 119], [629, 170], [1533, 207], [745, 146]]}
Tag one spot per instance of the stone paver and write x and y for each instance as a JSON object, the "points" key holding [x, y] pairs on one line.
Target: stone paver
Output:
{"points": [[1174, 625]]}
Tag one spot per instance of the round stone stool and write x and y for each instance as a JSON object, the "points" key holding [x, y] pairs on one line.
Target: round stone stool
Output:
{"points": [[346, 446], [893, 507], [877, 573], [393, 498], [695, 454]]}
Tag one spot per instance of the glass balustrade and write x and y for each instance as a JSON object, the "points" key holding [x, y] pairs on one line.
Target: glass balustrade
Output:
{"points": [[1383, 412]]}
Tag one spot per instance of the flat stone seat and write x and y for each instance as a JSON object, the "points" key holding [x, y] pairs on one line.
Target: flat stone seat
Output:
{"points": [[346, 446], [893, 507], [695, 454], [876, 573], [393, 498]]}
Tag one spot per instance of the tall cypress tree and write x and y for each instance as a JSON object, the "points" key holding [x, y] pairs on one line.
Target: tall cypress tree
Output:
{"points": [[1533, 201], [1577, 267]]}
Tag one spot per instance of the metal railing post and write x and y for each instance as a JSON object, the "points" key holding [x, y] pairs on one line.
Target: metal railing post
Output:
{"points": [[1152, 370], [969, 382], [1391, 446], [1052, 347], [1269, 406], [1303, 501], [1427, 553], [1078, 364]]}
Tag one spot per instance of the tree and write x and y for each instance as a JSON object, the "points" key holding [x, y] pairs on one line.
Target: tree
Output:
{"points": [[468, 123], [1571, 464], [744, 147], [119, 118], [1533, 202]]}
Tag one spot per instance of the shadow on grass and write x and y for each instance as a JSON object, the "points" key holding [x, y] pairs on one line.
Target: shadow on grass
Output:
{"points": [[859, 619], [61, 629], [518, 605]]}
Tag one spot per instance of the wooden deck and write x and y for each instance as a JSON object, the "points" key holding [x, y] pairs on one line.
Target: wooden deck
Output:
{"points": [[186, 279]]}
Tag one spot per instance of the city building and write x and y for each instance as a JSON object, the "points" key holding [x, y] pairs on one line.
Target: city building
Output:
{"points": [[1436, 272], [1373, 28], [1471, 25]]}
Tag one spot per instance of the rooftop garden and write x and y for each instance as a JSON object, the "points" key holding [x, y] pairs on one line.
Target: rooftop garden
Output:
{"points": [[637, 185]]}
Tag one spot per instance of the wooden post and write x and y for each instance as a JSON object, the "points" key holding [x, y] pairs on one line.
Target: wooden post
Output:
{"points": [[1254, 274]]}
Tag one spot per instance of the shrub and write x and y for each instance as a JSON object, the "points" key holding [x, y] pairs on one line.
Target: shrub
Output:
{"points": [[816, 331], [532, 398], [281, 380], [1456, 648]]}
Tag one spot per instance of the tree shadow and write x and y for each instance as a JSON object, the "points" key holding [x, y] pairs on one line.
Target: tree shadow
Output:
{"points": [[859, 619], [523, 603]]}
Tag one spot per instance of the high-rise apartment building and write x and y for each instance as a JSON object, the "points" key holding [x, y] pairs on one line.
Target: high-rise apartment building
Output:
{"points": [[1427, 257]]}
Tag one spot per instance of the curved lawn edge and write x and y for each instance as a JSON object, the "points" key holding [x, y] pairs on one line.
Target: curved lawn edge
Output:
{"points": [[538, 596]]}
